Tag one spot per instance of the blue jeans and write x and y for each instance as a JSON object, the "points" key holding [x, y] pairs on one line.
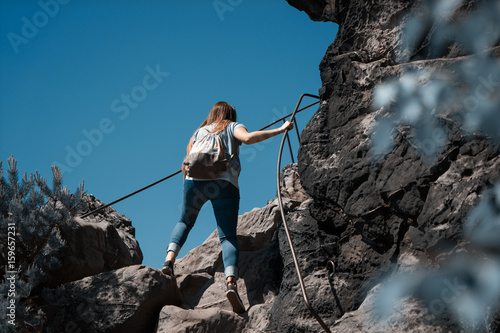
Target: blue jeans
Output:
{"points": [[225, 198]]}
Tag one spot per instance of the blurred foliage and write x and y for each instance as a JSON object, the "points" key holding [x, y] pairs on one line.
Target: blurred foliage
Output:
{"points": [[38, 214], [466, 92]]}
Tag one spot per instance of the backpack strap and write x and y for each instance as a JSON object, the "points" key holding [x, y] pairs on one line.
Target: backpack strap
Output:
{"points": [[221, 146]]}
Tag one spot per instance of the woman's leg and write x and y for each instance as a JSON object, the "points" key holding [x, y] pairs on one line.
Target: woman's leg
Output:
{"points": [[226, 204], [192, 201]]}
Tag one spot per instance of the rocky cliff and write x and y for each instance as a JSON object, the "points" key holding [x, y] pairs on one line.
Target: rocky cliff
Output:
{"points": [[370, 217], [404, 209]]}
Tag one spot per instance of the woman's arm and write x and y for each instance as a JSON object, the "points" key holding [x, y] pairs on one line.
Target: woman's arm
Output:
{"points": [[242, 134]]}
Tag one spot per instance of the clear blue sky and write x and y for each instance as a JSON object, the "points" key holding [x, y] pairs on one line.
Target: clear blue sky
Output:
{"points": [[112, 91]]}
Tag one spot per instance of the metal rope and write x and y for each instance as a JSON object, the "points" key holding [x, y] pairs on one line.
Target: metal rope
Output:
{"points": [[131, 194], [283, 217]]}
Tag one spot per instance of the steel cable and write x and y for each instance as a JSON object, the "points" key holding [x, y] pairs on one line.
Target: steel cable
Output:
{"points": [[287, 231]]}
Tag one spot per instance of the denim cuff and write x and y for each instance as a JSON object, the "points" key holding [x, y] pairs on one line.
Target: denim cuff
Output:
{"points": [[231, 271], [174, 247]]}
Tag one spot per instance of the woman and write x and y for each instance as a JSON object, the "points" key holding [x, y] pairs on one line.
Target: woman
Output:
{"points": [[223, 192]]}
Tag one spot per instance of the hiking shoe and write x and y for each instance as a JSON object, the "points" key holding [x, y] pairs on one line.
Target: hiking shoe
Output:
{"points": [[234, 298], [168, 268]]}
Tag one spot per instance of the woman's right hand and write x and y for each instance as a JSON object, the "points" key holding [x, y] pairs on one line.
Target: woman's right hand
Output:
{"points": [[287, 126], [253, 137]]}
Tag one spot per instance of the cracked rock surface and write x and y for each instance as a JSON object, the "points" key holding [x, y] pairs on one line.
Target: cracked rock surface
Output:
{"points": [[369, 213]]}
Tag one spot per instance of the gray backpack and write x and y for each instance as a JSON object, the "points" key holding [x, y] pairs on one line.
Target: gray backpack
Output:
{"points": [[207, 159]]}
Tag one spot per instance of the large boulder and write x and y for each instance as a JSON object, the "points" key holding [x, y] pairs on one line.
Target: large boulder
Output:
{"points": [[125, 300], [95, 244], [177, 320]]}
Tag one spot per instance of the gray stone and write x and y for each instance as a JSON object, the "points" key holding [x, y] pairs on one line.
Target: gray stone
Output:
{"points": [[409, 316], [125, 300], [205, 258], [259, 281], [191, 284], [177, 320], [369, 212], [96, 244], [209, 310]]}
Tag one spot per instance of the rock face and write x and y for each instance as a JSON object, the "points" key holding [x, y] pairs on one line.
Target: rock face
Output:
{"points": [[370, 214], [96, 244]]}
